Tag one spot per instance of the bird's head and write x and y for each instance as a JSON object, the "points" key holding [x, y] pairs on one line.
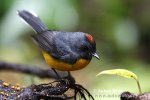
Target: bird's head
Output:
{"points": [[89, 46]]}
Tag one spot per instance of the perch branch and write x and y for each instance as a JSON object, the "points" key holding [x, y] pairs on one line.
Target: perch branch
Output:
{"points": [[42, 91], [42, 73]]}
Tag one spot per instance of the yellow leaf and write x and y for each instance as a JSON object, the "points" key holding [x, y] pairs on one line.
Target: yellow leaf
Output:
{"points": [[123, 73], [120, 72]]}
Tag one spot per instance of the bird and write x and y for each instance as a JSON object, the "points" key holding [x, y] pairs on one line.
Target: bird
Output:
{"points": [[63, 51]]}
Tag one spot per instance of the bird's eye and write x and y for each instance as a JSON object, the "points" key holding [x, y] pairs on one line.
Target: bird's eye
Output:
{"points": [[84, 48]]}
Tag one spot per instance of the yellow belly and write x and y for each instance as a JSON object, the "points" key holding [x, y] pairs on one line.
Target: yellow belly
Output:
{"points": [[60, 65]]}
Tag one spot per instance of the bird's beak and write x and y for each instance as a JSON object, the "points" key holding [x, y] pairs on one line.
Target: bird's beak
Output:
{"points": [[96, 55]]}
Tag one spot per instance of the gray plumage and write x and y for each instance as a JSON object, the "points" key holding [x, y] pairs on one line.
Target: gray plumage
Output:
{"points": [[65, 46], [33, 21]]}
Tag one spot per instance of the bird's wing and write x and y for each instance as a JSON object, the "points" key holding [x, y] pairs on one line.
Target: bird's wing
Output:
{"points": [[56, 47], [66, 53], [44, 40]]}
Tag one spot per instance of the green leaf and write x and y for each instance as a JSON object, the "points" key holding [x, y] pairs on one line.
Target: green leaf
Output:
{"points": [[123, 73], [120, 72]]}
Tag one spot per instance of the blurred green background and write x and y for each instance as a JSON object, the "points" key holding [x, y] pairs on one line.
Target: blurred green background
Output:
{"points": [[121, 29]]}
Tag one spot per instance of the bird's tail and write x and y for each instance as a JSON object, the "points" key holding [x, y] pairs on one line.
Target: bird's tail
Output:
{"points": [[33, 20]]}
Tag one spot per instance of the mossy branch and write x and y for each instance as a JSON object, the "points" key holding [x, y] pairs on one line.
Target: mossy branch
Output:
{"points": [[56, 90]]}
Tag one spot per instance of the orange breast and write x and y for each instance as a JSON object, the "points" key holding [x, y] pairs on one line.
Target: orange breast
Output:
{"points": [[63, 66]]}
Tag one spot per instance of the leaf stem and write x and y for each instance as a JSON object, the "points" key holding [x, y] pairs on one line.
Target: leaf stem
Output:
{"points": [[139, 87]]}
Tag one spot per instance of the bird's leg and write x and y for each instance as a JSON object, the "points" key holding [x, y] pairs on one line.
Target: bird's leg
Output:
{"points": [[56, 73], [71, 78], [69, 75]]}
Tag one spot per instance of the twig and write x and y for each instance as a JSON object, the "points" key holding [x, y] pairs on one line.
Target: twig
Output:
{"points": [[42, 73], [131, 96]]}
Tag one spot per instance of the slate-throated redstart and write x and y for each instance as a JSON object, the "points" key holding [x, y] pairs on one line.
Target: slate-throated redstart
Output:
{"points": [[65, 51]]}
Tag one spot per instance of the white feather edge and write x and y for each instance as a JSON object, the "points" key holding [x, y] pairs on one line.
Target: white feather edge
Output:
{"points": [[33, 13]]}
